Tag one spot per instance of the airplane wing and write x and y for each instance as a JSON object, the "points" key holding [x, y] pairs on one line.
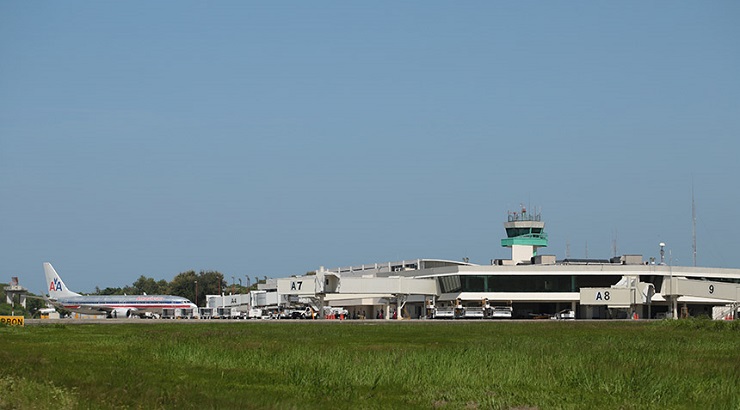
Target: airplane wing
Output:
{"points": [[50, 302], [95, 309], [35, 297], [102, 310]]}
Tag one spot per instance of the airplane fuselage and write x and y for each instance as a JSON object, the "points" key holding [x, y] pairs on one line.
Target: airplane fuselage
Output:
{"points": [[147, 303], [110, 305]]}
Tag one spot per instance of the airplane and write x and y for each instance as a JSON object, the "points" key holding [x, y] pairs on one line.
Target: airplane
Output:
{"points": [[113, 306]]}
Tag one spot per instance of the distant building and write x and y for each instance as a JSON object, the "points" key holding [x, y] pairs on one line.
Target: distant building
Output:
{"points": [[529, 285]]}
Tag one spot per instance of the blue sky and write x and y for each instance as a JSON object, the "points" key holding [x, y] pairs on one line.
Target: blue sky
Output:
{"points": [[271, 138]]}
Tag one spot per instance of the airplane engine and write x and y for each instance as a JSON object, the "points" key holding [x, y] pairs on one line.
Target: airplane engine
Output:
{"points": [[122, 313]]}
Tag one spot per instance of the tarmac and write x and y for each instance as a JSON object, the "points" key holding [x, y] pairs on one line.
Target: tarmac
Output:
{"points": [[52, 322]]}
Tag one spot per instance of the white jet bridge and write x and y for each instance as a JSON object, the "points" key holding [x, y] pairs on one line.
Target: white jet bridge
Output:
{"points": [[676, 286], [331, 286], [630, 292]]}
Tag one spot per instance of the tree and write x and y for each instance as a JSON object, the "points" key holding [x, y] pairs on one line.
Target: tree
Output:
{"points": [[164, 287], [149, 286], [109, 291], [184, 285], [34, 304], [209, 283]]}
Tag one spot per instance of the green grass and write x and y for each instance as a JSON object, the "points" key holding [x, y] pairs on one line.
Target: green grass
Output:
{"points": [[375, 365]]}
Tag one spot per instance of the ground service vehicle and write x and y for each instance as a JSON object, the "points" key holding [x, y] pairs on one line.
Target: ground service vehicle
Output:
{"points": [[501, 312]]}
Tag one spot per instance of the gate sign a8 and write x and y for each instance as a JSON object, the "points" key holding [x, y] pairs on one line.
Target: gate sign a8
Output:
{"points": [[606, 296]]}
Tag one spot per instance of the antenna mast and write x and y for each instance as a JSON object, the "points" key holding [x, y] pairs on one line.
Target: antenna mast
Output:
{"points": [[614, 243], [693, 220]]}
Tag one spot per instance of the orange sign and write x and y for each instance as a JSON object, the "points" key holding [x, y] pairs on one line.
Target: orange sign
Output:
{"points": [[12, 321]]}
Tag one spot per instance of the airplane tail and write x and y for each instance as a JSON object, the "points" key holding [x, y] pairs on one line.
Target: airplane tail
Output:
{"points": [[56, 287]]}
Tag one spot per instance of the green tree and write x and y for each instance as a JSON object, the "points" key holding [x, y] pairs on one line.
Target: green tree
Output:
{"points": [[209, 283], [184, 284], [34, 304], [109, 291], [148, 286], [164, 287]]}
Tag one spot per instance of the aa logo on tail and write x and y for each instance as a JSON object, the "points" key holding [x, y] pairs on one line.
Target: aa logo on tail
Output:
{"points": [[55, 285]]}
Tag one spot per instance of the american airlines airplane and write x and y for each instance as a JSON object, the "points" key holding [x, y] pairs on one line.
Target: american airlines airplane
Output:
{"points": [[110, 305]]}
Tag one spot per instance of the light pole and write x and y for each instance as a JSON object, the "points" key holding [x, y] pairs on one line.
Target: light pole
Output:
{"points": [[196, 293]]}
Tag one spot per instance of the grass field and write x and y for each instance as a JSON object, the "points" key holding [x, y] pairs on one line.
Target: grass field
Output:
{"points": [[376, 365]]}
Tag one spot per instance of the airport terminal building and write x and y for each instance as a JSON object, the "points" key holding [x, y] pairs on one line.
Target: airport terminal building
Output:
{"points": [[529, 285]]}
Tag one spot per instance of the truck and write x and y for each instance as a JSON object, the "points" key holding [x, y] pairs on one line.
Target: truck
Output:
{"points": [[227, 313], [473, 313], [566, 314], [299, 313], [501, 312], [444, 313], [254, 313]]}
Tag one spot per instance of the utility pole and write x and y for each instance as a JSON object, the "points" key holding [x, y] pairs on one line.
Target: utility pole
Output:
{"points": [[693, 219], [614, 244]]}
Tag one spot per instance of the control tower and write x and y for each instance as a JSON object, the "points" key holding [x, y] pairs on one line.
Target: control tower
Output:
{"points": [[525, 233]]}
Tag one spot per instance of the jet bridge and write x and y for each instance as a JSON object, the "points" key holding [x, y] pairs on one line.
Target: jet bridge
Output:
{"points": [[329, 283], [680, 286], [628, 293], [675, 287], [391, 285]]}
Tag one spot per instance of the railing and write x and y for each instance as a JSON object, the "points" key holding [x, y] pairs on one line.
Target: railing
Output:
{"points": [[524, 216], [404, 265], [727, 313], [541, 235]]}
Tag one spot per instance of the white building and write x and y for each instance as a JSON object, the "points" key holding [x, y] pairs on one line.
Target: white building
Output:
{"points": [[531, 284]]}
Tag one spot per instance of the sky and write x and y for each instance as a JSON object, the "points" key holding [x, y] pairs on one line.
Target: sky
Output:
{"points": [[272, 138]]}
